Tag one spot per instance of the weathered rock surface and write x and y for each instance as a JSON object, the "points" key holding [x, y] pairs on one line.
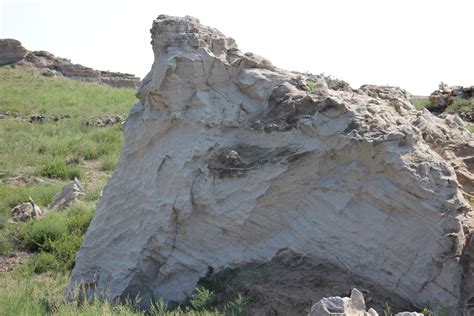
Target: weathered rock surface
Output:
{"points": [[11, 51], [26, 211], [69, 193], [46, 64], [228, 159]]}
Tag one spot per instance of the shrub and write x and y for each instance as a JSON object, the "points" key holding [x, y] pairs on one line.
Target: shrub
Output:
{"points": [[236, 307], [202, 299], [38, 235], [65, 248], [79, 216], [60, 170], [43, 261]]}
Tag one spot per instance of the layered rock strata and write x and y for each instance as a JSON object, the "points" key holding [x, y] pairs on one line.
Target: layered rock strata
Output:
{"points": [[228, 159]]}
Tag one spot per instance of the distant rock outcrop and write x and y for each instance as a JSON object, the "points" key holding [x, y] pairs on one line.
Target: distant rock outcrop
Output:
{"points": [[228, 159], [12, 52]]}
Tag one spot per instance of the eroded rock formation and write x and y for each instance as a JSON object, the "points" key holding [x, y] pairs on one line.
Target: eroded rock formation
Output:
{"points": [[46, 64], [228, 159]]}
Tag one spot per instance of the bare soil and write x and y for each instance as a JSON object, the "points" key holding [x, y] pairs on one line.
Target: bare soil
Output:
{"points": [[8, 261]]}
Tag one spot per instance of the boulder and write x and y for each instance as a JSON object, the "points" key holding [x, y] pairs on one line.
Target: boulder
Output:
{"points": [[228, 159], [69, 193], [26, 211], [11, 51], [348, 306]]}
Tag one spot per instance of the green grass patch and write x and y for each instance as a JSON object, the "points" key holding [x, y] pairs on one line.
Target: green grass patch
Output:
{"points": [[28, 147], [41, 193], [60, 234], [60, 170], [25, 293], [29, 94]]}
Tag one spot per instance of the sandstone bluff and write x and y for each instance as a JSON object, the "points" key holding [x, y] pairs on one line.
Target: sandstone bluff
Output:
{"points": [[228, 159]]}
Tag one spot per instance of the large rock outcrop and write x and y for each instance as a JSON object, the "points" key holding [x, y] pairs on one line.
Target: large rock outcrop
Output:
{"points": [[228, 159]]}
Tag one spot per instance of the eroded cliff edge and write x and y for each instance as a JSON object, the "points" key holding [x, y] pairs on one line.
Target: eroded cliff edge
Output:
{"points": [[228, 159]]}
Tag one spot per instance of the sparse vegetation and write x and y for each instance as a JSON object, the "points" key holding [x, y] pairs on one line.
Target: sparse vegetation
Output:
{"points": [[460, 105], [423, 103]]}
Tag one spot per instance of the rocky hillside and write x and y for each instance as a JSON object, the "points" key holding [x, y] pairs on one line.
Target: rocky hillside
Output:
{"points": [[14, 54], [229, 160]]}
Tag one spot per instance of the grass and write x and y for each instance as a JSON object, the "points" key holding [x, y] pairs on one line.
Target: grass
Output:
{"points": [[29, 94], [41, 193], [25, 293], [43, 148], [60, 170]]}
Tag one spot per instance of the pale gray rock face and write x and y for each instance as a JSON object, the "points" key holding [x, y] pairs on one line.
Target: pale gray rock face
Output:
{"points": [[69, 193], [11, 51], [26, 212], [228, 159]]}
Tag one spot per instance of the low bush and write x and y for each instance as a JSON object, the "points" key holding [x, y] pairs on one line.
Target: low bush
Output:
{"points": [[202, 299], [38, 235], [60, 170], [44, 261], [64, 250]]}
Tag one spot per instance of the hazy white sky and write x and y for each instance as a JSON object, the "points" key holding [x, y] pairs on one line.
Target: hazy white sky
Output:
{"points": [[414, 44]]}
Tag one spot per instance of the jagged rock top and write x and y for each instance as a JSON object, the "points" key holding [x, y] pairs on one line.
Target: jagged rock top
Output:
{"points": [[170, 31], [228, 159]]}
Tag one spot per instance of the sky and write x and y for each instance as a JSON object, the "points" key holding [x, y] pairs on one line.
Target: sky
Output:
{"points": [[414, 44]]}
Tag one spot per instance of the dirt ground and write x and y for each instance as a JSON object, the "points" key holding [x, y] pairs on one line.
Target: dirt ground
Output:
{"points": [[290, 284], [9, 260]]}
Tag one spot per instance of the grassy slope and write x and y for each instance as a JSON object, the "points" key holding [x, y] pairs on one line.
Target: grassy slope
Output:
{"points": [[51, 152]]}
